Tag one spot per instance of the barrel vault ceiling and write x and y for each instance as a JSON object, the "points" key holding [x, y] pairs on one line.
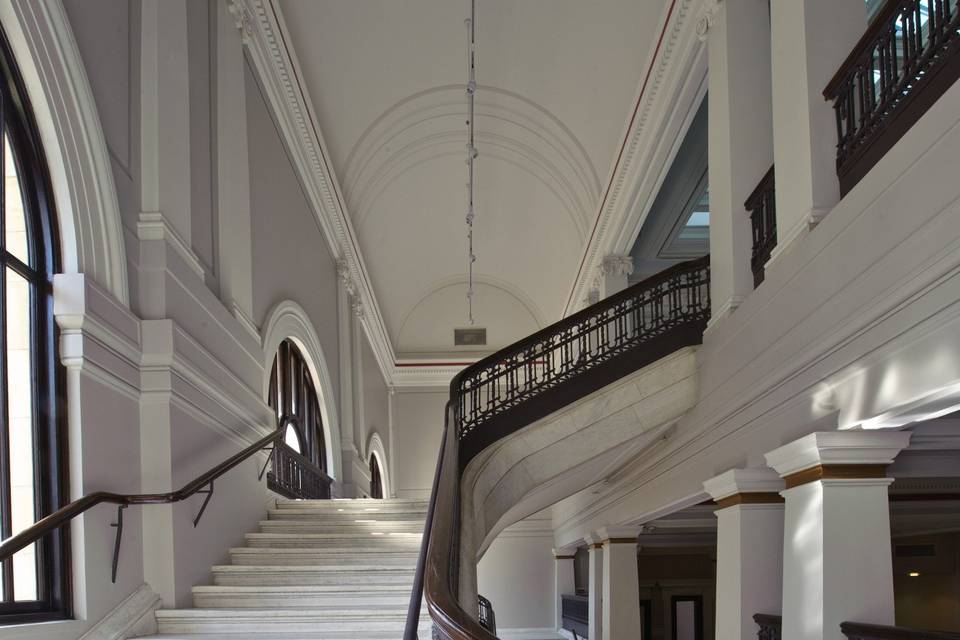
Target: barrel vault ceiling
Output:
{"points": [[557, 84]]}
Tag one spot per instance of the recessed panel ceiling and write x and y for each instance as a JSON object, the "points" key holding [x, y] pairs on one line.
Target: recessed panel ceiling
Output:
{"points": [[557, 83]]}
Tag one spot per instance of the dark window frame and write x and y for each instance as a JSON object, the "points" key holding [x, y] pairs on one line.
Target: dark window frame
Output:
{"points": [[376, 478], [48, 374], [293, 395]]}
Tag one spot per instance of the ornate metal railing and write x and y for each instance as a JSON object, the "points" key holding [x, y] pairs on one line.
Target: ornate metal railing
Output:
{"points": [[488, 619], [530, 379], [294, 476], [905, 61], [858, 631], [579, 354], [769, 626], [762, 206], [575, 614]]}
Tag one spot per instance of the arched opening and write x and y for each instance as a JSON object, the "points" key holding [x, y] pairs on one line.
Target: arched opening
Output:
{"points": [[294, 399], [376, 479], [32, 481]]}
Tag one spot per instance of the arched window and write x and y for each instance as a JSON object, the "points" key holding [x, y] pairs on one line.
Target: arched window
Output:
{"points": [[376, 480], [32, 485], [292, 395]]}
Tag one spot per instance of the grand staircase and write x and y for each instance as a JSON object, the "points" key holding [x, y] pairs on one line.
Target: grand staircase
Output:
{"points": [[330, 569]]}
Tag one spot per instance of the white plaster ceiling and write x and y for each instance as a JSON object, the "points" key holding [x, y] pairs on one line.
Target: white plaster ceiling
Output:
{"points": [[558, 80]]}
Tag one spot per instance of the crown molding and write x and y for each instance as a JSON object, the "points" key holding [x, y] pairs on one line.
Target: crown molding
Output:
{"points": [[668, 98], [265, 38]]}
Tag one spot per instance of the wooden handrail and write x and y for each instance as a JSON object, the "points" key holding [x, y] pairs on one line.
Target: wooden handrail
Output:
{"points": [[63, 515], [861, 631], [877, 24], [438, 569]]}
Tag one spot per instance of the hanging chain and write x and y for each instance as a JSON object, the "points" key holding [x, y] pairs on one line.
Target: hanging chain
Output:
{"points": [[471, 151]]}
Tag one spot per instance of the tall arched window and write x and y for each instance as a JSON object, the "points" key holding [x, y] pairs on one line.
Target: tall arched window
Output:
{"points": [[32, 485], [293, 395], [376, 481]]}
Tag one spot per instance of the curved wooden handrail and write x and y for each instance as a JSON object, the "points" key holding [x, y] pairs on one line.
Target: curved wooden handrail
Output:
{"points": [[438, 569], [63, 515]]}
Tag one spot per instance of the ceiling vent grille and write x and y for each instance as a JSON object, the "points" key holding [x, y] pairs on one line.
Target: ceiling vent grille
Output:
{"points": [[470, 337]]}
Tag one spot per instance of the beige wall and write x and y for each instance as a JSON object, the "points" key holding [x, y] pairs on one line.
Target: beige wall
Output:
{"points": [[418, 426]]}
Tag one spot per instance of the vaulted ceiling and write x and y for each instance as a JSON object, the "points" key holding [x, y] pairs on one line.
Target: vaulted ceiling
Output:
{"points": [[557, 83]]}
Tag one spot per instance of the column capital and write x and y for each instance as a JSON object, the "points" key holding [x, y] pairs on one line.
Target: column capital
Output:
{"points": [[745, 486], [614, 535], [707, 18], [837, 454], [564, 554], [617, 264]]}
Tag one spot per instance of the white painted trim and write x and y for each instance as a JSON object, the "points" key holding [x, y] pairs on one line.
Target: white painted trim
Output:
{"points": [[132, 618], [675, 87], [376, 449], [153, 225], [91, 232], [264, 32], [288, 319]]}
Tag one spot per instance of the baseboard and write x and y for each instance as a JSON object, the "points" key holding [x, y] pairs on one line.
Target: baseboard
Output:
{"points": [[522, 633], [133, 617]]}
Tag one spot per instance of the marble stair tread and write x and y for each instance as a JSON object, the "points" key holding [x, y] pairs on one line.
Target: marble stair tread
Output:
{"points": [[302, 575], [340, 528], [336, 517], [389, 634], [328, 597], [353, 503], [279, 620], [357, 539], [298, 557]]}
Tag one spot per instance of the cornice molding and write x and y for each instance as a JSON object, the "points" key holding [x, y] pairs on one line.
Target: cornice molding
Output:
{"points": [[676, 78], [265, 38]]}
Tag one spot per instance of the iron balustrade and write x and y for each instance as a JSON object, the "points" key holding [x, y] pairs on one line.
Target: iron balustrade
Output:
{"points": [[294, 476], [579, 354], [905, 61], [575, 614], [859, 631], [770, 626], [488, 619], [762, 206], [528, 380]]}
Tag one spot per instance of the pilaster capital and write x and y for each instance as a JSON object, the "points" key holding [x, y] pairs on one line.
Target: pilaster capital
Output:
{"points": [[615, 535], [707, 18], [740, 482], [241, 19], [616, 264], [838, 448]]}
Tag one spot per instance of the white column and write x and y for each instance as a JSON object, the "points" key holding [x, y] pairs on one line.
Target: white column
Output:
{"points": [[235, 248], [615, 269], [811, 39], [345, 326], [740, 140], [595, 590], [563, 583], [621, 585], [749, 549], [837, 562]]}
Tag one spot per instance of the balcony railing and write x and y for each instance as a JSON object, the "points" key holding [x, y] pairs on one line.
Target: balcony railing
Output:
{"points": [[858, 631], [575, 614], [770, 626], [762, 206], [294, 476], [905, 61], [528, 380]]}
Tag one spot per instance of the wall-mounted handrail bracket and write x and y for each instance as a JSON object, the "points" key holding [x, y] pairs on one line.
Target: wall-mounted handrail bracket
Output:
{"points": [[118, 525], [206, 501]]}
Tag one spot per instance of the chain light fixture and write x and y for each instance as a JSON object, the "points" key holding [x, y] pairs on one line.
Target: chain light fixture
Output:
{"points": [[471, 150]]}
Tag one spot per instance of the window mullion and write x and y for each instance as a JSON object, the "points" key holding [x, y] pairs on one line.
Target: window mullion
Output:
{"points": [[6, 527]]}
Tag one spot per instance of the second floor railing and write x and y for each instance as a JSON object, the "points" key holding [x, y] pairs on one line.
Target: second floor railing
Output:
{"points": [[907, 58], [860, 631], [294, 476], [762, 206], [770, 626], [528, 380]]}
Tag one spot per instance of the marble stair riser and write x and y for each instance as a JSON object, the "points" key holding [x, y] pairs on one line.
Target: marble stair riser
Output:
{"points": [[299, 576]]}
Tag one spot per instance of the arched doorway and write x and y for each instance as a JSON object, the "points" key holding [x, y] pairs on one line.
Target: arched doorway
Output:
{"points": [[300, 460], [376, 479]]}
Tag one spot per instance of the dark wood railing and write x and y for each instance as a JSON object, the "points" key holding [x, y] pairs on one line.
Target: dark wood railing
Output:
{"points": [[294, 476], [530, 379], [762, 206], [203, 484], [905, 61], [770, 626], [575, 614], [858, 631]]}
